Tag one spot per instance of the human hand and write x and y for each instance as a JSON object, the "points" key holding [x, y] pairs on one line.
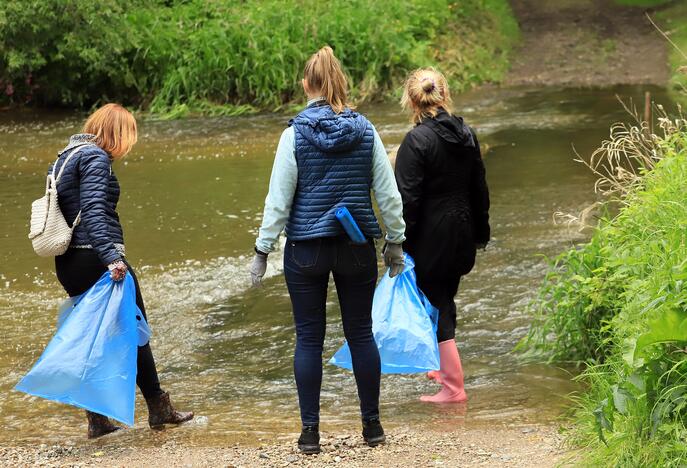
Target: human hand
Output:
{"points": [[394, 259], [118, 270], [258, 268]]}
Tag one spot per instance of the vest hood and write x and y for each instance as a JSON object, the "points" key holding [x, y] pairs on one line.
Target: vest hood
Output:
{"points": [[330, 132], [451, 128]]}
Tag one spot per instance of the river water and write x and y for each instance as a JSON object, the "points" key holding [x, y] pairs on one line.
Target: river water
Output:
{"points": [[192, 199]]}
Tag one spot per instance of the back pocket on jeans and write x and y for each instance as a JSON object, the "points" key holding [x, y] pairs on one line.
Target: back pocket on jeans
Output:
{"points": [[305, 253], [363, 254]]}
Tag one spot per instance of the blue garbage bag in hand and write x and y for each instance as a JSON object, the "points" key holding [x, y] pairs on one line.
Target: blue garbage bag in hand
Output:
{"points": [[91, 360], [404, 324]]}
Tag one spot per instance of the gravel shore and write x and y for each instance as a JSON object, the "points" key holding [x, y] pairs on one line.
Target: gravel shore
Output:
{"points": [[532, 446]]}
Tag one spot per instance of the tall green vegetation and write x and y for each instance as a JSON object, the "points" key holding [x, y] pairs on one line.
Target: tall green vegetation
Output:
{"points": [[225, 56], [674, 21], [618, 305], [671, 17]]}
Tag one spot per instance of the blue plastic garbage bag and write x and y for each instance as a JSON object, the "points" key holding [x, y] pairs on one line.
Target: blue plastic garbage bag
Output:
{"points": [[404, 324], [143, 328], [91, 360]]}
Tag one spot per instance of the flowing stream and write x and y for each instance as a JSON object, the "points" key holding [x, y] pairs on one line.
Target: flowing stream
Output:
{"points": [[192, 198]]}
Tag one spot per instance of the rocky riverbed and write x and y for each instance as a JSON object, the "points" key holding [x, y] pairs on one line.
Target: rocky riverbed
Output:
{"points": [[535, 446]]}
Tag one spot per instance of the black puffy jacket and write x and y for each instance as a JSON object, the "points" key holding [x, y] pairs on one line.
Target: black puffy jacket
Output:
{"points": [[441, 177], [88, 184]]}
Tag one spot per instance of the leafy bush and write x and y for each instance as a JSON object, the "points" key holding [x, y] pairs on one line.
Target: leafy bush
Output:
{"points": [[64, 52], [231, 57], [619, 305]]}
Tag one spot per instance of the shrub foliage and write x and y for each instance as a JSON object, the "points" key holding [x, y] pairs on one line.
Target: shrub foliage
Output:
{"points": [[618, 304], [223, 56]]}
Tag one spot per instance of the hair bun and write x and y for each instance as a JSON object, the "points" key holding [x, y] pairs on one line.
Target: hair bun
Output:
{"points": [[428, 85]]}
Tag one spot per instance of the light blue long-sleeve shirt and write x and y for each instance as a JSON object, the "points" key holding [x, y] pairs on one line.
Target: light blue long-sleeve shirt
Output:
{"points": [[283, 184]]}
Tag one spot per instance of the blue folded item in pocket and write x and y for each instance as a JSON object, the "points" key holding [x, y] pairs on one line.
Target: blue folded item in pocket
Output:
{"points": [[404, 324], [350, 226], [91, 361]]}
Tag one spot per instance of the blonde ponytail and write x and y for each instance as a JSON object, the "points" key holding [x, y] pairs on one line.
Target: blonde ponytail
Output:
{"points": [[324, 74], [425, 91]]}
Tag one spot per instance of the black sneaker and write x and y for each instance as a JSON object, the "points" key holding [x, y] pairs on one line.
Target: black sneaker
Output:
{"points": [[309, 441], [373, 432]]}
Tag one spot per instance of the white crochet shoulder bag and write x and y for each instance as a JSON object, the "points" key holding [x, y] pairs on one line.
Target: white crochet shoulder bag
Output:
{"points": [[50, 233]]}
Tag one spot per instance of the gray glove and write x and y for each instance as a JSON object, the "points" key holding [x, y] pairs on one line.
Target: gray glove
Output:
{"points": [[258, 268], [393, 258]]}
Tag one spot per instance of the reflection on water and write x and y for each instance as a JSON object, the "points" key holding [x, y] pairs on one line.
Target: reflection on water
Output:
{"points": [[192, 200]]}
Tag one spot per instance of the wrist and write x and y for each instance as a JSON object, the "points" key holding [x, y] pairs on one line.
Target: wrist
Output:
{"points": [[112, 265], [261, 253]]}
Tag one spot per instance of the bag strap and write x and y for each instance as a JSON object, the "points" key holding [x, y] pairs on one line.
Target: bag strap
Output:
{"points": [[64, 164], [52, 179], [77, 220]]}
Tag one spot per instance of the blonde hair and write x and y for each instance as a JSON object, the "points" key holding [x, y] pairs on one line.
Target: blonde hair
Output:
{"points": [[425, 91], [324, 74], [114, 128]]}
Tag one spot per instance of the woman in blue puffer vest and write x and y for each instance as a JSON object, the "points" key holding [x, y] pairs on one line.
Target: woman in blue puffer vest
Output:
{"points": [[89, 189], [331, 157]]}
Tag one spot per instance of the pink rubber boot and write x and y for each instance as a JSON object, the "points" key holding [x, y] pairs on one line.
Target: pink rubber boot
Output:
{"points": [[435, 375], [453, 390]]}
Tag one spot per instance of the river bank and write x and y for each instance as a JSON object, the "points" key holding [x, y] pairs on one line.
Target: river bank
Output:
{"points": [[531, 446], [587, 43], [615, 305], [175, 59]]}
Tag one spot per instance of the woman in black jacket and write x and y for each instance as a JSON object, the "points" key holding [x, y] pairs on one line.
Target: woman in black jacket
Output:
{"points": [[89, 190], [441, 178]]}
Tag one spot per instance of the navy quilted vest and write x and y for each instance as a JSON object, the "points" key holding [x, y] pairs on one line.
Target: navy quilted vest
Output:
{"points": [[334, 158]]}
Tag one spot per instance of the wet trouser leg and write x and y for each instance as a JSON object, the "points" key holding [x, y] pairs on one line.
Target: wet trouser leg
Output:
{"points": [[442, 296], [355, 275], [78, 270]]}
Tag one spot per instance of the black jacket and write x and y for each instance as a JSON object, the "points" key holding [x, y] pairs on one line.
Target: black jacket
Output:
{"points": [[88, 184], [441, 177]]}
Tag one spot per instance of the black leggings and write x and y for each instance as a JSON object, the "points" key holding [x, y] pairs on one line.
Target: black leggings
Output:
{"points": [[442, 296], [79, 269]]}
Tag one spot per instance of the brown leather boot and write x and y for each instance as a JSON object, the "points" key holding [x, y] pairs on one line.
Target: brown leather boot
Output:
{"points": [[99, 425], [161, 412]]}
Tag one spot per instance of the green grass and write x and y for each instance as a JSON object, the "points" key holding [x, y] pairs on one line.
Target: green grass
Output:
{"points": [[674, 22], [671, 17], [618, 306], [225, 57]]}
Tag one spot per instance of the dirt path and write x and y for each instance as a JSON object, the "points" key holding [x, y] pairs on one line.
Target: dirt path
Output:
{"points": [[515, 447], [586, 43]]}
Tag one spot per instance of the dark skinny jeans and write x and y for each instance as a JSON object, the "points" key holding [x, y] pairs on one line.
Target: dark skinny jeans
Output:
{"points": [[79, 269], [307, 265]]}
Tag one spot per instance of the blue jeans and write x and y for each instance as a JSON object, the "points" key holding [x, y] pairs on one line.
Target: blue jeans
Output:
{"points": [[307, 265]]}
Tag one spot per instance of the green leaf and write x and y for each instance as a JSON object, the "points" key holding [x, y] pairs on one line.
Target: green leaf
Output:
{"points": [[621, 397], [602, 421], [637, 380], [671, 325]]}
